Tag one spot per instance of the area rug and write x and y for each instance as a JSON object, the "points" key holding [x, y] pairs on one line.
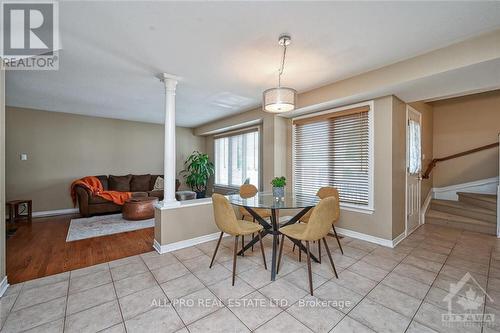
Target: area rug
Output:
{"points": [[97, 226]]}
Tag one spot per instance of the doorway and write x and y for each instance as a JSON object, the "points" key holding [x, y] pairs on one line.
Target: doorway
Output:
{"points": [[413, 168]]}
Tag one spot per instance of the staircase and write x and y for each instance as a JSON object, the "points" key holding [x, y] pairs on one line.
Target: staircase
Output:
{"points": [[473, 212]]}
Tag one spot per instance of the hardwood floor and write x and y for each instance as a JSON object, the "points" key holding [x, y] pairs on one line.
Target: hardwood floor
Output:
{"points": [[40, 249]]}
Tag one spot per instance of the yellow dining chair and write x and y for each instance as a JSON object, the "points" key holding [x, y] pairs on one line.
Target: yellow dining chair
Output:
{"points": [[226, 221], [325, 192], [316, 229], [248, 191]]}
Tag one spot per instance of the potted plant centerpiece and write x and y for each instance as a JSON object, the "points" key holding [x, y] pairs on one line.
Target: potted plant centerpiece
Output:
{"points": [[198, 170], [278, 187]]}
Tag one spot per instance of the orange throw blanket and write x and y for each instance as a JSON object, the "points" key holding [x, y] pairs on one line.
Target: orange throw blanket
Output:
{"points": [[93, 184]]}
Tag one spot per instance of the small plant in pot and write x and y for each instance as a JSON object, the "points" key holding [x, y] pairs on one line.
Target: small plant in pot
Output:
{"points": [[198, 169], [278, 187]]}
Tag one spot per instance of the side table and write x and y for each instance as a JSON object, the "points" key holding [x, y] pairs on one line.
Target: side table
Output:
{"points": [[13, 209]]}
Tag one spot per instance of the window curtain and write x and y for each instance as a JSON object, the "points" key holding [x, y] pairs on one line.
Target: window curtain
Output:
{"points": [[415, 149]]}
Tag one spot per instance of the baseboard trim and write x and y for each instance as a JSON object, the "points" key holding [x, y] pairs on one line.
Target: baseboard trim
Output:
{"points": [[368, 238], [399, 238], [426, 205], [3, 286], [185, 243], [55, 212]]}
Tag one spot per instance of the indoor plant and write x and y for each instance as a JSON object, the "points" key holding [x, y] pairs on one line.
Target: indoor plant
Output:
{"points": [[278, 187], [198, 170]]}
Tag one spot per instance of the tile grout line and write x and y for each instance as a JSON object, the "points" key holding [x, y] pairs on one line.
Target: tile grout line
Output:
{"points": [[207, 287], [423, 299], [456, 243], [117, 301], [204, 285], [366, 295], [66, 305], [163, 291], [255, 290], [10, 310], [347, 313], [487, 281]]}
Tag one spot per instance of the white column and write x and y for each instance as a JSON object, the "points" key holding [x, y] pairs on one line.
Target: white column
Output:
{"points": [[169, 200]]}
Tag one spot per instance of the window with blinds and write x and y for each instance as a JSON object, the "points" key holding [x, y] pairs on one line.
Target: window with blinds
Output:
{"points": [[333, 150], [237, 158]]}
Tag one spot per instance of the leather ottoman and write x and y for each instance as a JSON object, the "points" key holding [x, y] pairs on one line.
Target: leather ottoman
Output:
{"points": [[139, 208]]}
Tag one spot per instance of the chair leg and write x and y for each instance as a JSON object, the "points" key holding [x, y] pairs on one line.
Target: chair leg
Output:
{"points": [[253, 220], [216, 248], [319, 251], [338, 240], [293, 249], [281, 251], [262, 250], [330, 256], [242, 245], [309, 268], [300, 253], [235, 256]]}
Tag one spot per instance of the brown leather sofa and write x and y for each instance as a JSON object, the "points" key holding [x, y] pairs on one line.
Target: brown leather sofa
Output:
{"points": [[139, 185]]}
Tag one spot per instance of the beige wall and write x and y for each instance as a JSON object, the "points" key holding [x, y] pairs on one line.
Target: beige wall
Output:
{"points": [[398, 167], [2, 175], [465, 123], [197, 220], [186, 143], [62, 147]]}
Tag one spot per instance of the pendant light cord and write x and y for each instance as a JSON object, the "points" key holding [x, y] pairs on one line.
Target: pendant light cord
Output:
{"points": [[282, 68]]}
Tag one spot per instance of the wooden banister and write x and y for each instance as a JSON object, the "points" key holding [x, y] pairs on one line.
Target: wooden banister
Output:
{"points": [[467, 152]]}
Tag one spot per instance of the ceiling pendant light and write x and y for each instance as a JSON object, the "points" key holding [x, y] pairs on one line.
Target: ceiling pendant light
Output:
{"points": [[280, 99]]}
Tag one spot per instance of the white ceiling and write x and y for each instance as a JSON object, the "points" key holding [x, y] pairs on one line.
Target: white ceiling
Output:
{"points": [[227, 53]]}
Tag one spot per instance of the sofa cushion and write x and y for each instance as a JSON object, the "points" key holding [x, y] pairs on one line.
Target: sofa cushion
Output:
{"points": [[119, 183], [104, 181], [140, 183]]}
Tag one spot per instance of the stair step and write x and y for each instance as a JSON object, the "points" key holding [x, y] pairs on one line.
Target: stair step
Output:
{"points": [[459, 222], [464, 209], [488, 201]]}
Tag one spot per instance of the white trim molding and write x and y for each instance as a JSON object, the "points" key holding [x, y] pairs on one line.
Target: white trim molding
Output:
{"points": [[370, 238], [55, 212], [426, 205], [3, 286], [398, 239], [161, 249], [487, 186]]}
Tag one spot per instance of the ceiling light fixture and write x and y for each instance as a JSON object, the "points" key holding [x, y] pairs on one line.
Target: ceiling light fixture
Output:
{"points": [[280, 99]]}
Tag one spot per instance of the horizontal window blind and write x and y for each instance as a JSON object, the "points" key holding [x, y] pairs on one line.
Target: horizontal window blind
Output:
{"points": [[236, 156], [333, 150]]}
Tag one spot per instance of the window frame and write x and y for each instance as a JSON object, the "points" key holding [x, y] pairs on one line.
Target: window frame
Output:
{"points": [[370, 208], [250, 129]]}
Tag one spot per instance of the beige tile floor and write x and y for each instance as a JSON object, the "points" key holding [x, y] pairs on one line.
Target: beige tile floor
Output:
{"points": [[378, 290]]}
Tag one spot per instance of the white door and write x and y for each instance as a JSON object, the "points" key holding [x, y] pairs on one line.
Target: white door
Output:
{"points": [[413, 168]]}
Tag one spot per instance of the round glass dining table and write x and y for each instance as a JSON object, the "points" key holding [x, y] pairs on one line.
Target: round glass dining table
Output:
{"points": [[266, 200]]}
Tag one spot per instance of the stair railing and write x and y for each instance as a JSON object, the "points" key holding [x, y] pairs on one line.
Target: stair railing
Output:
{"points": [[435, 161]]}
